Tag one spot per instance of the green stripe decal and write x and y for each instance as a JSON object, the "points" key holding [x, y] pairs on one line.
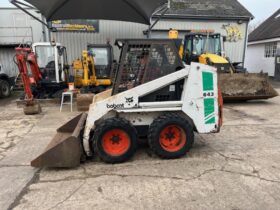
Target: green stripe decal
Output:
{"points": [[208, 81], [209, 102], [209, 110]]}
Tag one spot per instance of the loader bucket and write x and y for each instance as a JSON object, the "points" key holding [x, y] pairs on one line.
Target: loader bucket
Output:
{"points": [[84, 101], [65, 149], [246, 86]]}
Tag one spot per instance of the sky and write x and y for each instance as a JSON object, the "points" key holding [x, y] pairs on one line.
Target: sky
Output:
{"points": [[261, 9]]}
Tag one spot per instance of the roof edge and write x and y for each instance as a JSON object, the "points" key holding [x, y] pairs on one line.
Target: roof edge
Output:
{"points": [[264, 41], [205, 17], [254, 36]]}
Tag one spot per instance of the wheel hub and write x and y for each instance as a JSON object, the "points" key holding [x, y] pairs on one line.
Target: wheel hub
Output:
{"points": [[116, 139], [116, 142], [172, 138], [170, 135], [5, 89]]}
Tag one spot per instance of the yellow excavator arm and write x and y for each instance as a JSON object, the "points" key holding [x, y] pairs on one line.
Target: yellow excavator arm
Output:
{"points": [[84, 70], [85, 73]]}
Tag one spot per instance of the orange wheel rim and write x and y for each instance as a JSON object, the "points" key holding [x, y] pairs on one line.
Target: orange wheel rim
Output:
{"points": [[116, 142], [172, 138]]}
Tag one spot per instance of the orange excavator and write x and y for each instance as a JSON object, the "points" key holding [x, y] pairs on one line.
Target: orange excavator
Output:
{"points": [[44, 71]]}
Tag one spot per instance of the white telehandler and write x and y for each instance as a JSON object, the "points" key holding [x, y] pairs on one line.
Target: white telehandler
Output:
{"points": [[154, 96]]}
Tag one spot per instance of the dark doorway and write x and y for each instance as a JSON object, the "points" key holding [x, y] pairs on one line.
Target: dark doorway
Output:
{"points": [[277, 67]]}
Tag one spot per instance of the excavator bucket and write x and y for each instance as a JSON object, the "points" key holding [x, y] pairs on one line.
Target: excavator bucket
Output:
{"points": [[65, 150], [247, 86], [32, 109]]}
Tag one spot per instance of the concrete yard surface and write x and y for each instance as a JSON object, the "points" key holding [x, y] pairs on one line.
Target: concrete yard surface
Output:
{"points": [[235, 169]]}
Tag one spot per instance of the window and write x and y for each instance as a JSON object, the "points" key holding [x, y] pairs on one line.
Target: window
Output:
{"points": [[45, 55], [100, 56], [270, 49]]}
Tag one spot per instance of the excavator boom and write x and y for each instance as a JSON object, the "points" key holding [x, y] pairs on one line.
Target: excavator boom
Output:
{"points": [[23, 57]]}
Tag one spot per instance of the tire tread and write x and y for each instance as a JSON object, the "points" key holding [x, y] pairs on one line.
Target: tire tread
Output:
{"points": [[153, 134], [114, 122]]}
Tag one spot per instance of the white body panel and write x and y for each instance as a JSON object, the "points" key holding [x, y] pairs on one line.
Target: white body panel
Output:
{"points": [[191, 103]]}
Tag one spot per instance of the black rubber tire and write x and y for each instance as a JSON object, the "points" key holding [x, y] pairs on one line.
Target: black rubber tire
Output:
{"points": [[162, 122], [5, 88], [109, 124]]}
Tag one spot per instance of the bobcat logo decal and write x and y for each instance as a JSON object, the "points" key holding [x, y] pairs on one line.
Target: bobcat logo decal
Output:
{"points": [[129, 101]]}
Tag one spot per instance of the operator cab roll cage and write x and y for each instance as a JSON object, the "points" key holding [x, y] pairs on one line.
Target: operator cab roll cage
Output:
{"points": [[144, 60]]}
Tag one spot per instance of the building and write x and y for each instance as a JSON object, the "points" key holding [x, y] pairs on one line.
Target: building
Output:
{"points": [[262, 46], [227, 17], [17, 28]]}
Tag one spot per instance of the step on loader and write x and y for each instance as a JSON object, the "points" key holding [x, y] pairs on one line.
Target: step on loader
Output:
{"points": [[154, 95]]}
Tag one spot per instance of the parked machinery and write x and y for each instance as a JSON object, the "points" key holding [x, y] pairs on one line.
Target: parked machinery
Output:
{"points": [[154, 95], [52, 61], [93, 71], [236, 83], [6, 83], [43, 71]]}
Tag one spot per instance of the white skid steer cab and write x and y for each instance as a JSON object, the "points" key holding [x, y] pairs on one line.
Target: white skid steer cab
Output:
{"points": [[154, 96]]}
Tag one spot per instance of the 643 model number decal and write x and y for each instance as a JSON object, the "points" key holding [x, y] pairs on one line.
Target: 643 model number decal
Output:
{"points": [[208, 94]]}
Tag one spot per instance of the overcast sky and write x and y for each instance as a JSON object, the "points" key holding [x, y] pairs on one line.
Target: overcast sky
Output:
{"points": [[261, 9]]}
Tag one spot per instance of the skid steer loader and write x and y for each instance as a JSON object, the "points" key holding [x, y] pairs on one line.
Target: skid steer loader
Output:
{"points": [[154, 95], [235, 82]]}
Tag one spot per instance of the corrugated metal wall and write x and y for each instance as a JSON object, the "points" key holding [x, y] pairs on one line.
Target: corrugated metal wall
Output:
{"points": [[234, 50], [6, 60], [16, 27], [75, 42]]}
